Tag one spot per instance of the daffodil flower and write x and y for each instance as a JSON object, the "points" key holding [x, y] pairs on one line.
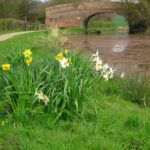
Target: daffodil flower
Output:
{"points": [[105, 67], [122, 76], [66, 51], [6, 67], [29, 61], [27, 53], [95, 56], [42, 97], [64, 63], [106, 76], [98, 65], [59, 57]]}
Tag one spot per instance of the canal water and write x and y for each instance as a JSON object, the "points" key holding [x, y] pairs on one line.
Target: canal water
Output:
{"points": [[123, 51]]}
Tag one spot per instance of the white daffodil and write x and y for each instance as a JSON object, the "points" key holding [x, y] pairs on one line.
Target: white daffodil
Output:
{"points": [[98, 65], [39, 95], [111, 70], [42, 97], [122, 75], [45, 100], [106, 76], [105, 67], [95, 56], [111, 75], [64, 63]]}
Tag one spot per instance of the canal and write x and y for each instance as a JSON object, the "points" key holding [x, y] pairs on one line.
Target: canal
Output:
{"points": [[121, 50]]}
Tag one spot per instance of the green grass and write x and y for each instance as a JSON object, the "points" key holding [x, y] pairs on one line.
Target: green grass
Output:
{"points": [[111, 122], [103, 25], [73, 31], [114, 125], [30, 40]]}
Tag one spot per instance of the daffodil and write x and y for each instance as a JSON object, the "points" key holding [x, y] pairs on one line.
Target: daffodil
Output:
{"points": [[95, 56], [111, 75], [106, 77], [64, 63], [66, 51], [6, 67], [122, 75], [59, 57], [42, 97], [98, 65], [105, 67], [27, 53], [29, 61]]}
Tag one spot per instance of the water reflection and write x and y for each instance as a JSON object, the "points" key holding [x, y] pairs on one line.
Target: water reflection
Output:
{"points": [[123, 51], [120, 46]]}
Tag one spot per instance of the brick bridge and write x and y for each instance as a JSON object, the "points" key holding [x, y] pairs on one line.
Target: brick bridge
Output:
{"points": [[78, 15]]}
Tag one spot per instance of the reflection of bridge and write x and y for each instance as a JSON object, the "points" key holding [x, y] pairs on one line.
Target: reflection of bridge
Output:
{"points": [[77, 15]]}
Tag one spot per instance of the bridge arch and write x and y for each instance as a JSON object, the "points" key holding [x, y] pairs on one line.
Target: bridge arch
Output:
{"points": [[87, 19]]}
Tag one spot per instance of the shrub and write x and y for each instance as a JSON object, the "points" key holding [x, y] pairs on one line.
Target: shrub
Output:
{"points": [[11, 24], [44, 86], [54, 41], [15, 24]]}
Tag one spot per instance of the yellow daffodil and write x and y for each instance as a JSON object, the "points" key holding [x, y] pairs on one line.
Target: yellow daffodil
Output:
{"points": [[60, 56], [27, 53], [66, 51], [29, 61], [6, 67]]}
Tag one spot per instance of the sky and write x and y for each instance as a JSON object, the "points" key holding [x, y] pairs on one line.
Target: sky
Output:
{"points": [[44, 0]]}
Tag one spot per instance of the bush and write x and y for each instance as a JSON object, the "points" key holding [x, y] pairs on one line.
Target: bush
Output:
{"points": [[45, 87], [54, 41], [14, 24]]}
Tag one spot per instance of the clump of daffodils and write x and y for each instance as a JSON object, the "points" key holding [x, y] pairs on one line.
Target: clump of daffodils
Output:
{"points": [[105, 70], [63, 60], [41, 97], [6, 67], [28, 55]]}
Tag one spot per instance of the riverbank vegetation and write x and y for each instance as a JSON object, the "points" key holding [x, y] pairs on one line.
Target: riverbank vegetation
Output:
{"points": [[138, 16], [52, 97]]}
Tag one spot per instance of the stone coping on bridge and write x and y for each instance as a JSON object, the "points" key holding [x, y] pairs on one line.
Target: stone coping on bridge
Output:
{"points": [[84, 5]]}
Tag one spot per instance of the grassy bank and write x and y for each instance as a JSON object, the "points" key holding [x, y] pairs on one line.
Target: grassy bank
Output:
{"points": [[110, 121], [103, 25]]}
